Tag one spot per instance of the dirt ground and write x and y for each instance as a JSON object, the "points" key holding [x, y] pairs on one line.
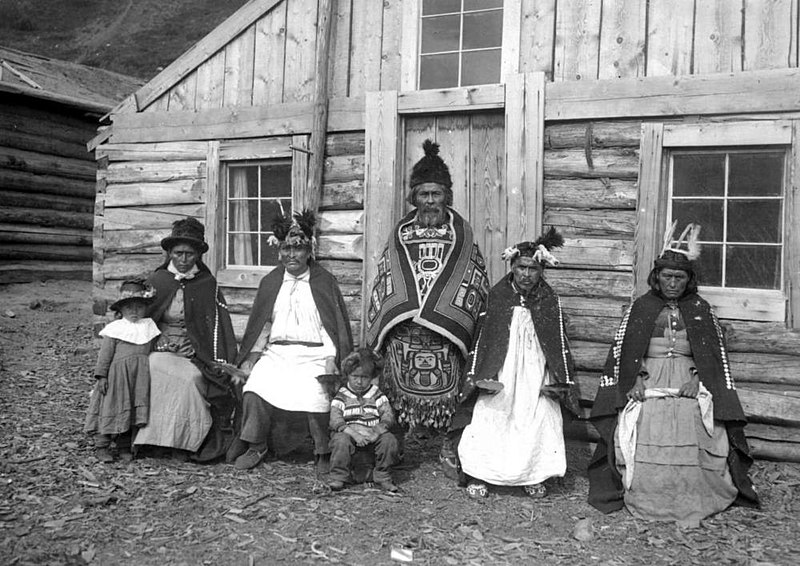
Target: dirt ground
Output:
{"points": [[60, 506]]}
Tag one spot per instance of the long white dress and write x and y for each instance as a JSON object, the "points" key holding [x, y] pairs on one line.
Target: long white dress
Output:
{"points": [[516, 436], [286, 374]]}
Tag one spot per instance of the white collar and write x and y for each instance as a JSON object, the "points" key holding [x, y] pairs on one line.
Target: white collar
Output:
{"points": [[178, 275], [140, 332], [305, 276]]}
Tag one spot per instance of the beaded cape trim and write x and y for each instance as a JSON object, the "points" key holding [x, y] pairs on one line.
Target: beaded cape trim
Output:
{"points": [[611, 380]]}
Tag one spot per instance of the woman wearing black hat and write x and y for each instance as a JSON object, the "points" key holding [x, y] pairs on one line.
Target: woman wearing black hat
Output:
{"points": [[191, 401], [672, 445]]}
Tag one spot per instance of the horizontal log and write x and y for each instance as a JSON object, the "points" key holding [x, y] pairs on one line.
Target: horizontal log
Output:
{"points": [[764, 337], [45, 201], [71, 127], [597, 253], [580, 283], [346, 272], [341, 222], [341, 246], [592, 328], [598, 134], [49, 184], [36, 270], [133, 241], [154, 171], [594, 306], [41, 217], [589, 356], [773, 433], [621, 163], [44, 143], [150, 218], [44, 164], [777, 369], [343, 169], [166, 151], [598, 223], [126, 266], [590, 193], [345, 143], [19, 251], [185, 191], [772, 450], [26, 233], [339, 196]]}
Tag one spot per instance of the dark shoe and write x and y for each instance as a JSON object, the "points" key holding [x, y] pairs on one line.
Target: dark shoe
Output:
{"points": [[249, 459], [386, 485], [180, 455], [104, 455], [126, 455], [336, 485], [236, 449]]}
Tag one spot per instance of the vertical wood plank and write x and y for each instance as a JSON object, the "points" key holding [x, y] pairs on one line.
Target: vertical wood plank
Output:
{"points": [[301, 41], [390, 45], [452, 134], [488, 214], [524, 115], [161, 104], [215, 211], [792, 227], [512, 27], [365, 51], [238, 90], [669, 38], [649, 221], [211, 82], [577, 41], [300, 188], [182, 95], [718, 37], [381, 207], [622, 39], [537, 36], [409, 46], [770, 34], [340, 46], [270, 53]]}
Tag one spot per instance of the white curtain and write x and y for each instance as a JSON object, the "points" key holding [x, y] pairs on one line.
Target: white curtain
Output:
{"points": [[242, 243]]}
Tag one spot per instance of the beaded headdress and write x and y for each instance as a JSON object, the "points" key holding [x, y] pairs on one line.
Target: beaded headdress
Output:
{"points": [[294, 229], [538, 250]]}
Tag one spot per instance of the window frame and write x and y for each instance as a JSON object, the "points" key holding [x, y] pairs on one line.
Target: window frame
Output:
{"points": [[221, 153], [657, 142], [411, 42]]}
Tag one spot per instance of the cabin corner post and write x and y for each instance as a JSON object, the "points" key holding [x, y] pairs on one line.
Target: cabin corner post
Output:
{"points": [[793, 230], [215, 215], [646, 236], [524, 110], [382, 145], [99, 304]]}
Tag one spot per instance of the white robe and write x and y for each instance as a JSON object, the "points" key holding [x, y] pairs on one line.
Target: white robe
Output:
{"points": [[516, 437]]}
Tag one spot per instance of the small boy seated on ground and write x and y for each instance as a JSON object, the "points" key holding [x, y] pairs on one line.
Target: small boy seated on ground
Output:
{"points": [[361, 416]]}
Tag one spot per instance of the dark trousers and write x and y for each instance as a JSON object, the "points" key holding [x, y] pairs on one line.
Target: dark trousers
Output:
{"points": [[257, 416], [343, 447]]}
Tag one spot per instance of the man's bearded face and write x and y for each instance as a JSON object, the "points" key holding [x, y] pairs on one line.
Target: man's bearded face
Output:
{"points": [[430, 200]]}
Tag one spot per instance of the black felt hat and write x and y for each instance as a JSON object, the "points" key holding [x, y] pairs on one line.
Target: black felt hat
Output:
{"points": [[187, 231], [133, 290]]}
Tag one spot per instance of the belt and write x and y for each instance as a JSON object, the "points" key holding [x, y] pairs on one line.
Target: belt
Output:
{"points": [[297, 343]]}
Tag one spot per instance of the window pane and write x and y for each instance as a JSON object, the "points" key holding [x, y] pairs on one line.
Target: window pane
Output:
{"points": [[242, 249], [243, 182], [757, 267], [698, 175], [708, 213], [440, 6], [243, 216], [756, 174], [483, 29], [438, 71], [754, 221], [440, 34], [482, 4], [276, 180], [480, 67], [710, 262], [269, 254]]}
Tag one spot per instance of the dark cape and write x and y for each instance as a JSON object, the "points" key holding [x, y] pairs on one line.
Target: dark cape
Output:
{"points": [[491, 343], [209, 329], [619, 375], [327, 298]]}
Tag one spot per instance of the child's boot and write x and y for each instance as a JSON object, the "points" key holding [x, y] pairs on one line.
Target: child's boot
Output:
{"points": [[103, 454]]}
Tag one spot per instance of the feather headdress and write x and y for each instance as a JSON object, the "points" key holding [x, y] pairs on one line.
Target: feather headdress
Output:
{"points": [[681, 252], [538, 250], [295, 229]]}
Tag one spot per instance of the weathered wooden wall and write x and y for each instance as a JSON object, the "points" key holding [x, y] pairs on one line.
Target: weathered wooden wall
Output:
{"points": [[590, 193], [144, 188], [46, 189]]}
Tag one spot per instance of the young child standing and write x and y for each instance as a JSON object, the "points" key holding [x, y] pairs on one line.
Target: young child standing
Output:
{"points": [[361, 416], [120, 400]]}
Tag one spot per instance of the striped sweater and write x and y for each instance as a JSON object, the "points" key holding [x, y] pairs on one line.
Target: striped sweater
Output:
{"points": [[370, 409]]}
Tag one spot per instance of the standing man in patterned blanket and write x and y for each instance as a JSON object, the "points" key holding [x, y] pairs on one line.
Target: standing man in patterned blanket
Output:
{"points": [[425, 300]]}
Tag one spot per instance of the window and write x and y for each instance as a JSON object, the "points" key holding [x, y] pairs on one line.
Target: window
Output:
{"points": [[460, 43], [737, 197], [255, 193]]}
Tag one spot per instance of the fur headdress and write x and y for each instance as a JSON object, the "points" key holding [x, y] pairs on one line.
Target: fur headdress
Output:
{"points": [[680, 253], [431, 169], [538, 250], [295, 229]]}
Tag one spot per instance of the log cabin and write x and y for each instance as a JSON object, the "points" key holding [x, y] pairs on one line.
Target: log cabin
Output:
{"points": [[605, 119], [49, 110]]}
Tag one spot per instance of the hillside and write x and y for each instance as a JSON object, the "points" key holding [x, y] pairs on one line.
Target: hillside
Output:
{"points": [[133, 37]]}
